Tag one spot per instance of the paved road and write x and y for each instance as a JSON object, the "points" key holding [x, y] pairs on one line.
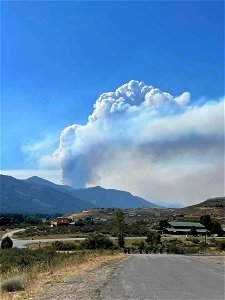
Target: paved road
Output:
{"points": [[166, 277]]}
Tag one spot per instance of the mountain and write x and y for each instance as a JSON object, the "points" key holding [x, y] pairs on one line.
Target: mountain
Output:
{"points": [[111, 198], [98, 196], [21, 196], [37, 195]]}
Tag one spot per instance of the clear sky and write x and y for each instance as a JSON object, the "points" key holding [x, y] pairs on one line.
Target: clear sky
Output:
{"points": [[58, 57]]}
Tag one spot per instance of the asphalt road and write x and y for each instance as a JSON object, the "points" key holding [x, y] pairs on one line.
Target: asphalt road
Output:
{"points": [[166, 277]]}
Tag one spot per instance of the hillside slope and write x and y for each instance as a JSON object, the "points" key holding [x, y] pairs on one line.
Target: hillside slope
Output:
{"points": [[111, 198], [98, 196], [215, 207], [20, 196]]}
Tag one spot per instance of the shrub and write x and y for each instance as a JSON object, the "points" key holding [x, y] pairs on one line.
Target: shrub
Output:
{"points": [[153, 238], [6, 243], [64, 246], [179, 247], [13, 284], [195, 241], [140, 245], [97, 241], [221, 246]]}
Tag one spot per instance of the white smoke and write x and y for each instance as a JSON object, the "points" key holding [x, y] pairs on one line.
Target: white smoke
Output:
{"points": [[146, 141]]}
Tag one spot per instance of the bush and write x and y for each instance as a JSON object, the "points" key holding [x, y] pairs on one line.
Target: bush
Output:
{"points": [[6, 243], [13, 284], [153, 238], [64, 246], [221, 246], [97, 241], [195, 241], [179, 247]]}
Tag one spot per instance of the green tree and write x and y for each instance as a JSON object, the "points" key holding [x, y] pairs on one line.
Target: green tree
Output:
{"points": [[153, 238], [163, 224], [206, 221], [6, 243], [119, 227], [216, 228], [193, 231]]}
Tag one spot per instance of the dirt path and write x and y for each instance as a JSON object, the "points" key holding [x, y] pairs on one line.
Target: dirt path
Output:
{"points": [[85, 284], [11, 233]]}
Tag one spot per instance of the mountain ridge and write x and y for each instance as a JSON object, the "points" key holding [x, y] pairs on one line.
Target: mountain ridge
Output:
{"points": [[19, 196], [99, 196], [37, 195]]}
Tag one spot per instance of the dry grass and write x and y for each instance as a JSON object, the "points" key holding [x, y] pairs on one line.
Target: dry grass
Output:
{"points": [[38, 283]]}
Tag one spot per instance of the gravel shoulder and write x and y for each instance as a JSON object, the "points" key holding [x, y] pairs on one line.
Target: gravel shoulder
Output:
{"points": [[84, 283]]}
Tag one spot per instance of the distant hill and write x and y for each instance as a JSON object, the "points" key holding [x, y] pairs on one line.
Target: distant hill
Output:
{"points": [[21, 196], [37, 195], [215, 207], [212, 202], [98, 196]]}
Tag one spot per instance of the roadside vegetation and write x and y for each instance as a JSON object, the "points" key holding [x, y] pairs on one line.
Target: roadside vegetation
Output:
{"points": [[20, 268], [179, 245]]}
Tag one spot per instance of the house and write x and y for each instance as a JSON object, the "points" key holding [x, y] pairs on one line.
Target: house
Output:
{"points": [[176, 227], [60, 221]]}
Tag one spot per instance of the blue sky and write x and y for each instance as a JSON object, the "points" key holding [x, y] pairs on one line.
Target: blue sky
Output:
{"points": [[58, 57]]}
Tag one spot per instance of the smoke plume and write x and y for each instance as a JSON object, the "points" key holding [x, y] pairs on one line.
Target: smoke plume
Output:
{"points": [[149, 142]]}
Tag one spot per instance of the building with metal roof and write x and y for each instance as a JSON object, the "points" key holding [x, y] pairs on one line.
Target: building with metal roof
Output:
{"points": [[175, 227]]}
